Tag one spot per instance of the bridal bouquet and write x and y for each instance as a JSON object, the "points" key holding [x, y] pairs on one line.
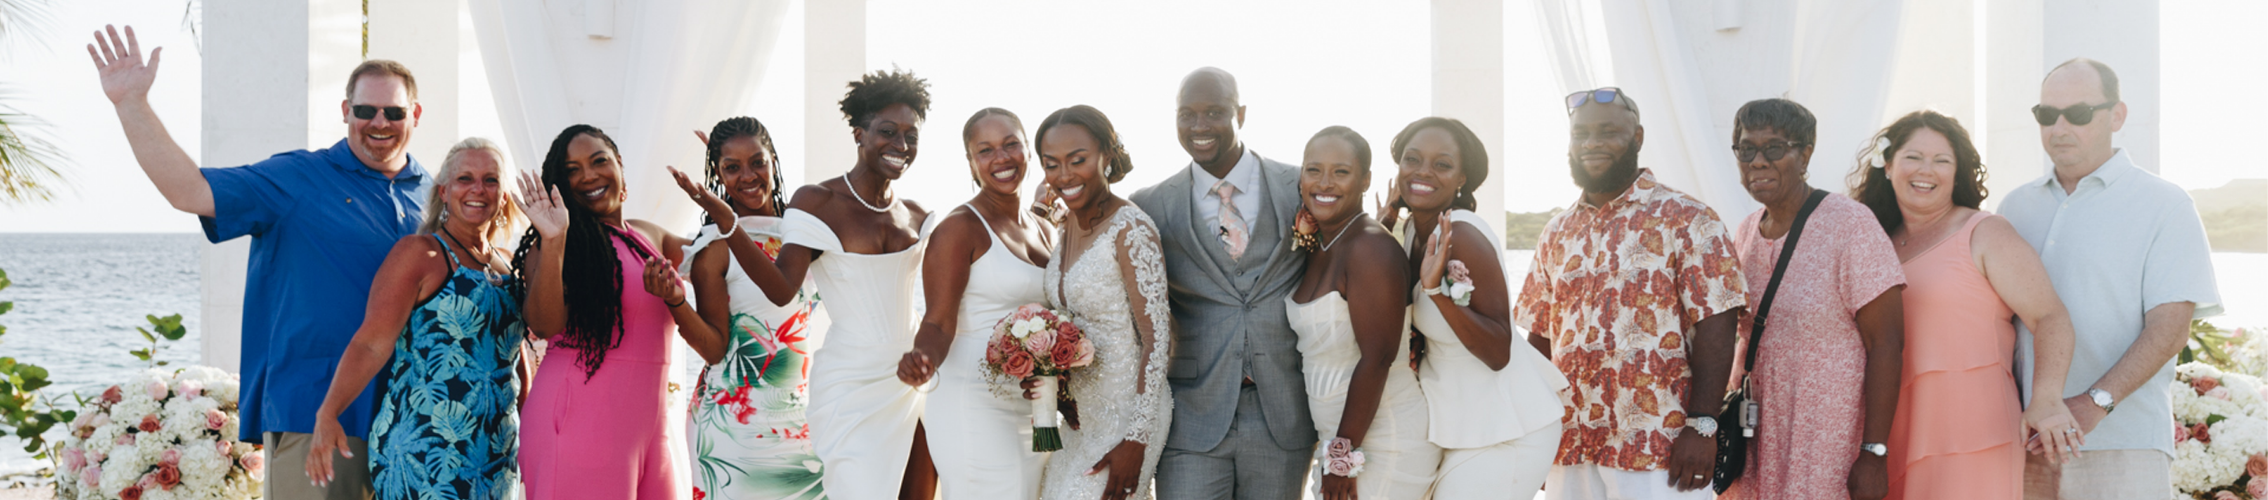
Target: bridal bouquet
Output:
{"points": [[162, 435], [1037, 342]]}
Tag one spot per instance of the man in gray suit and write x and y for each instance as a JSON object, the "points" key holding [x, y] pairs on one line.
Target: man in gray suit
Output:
{"points": [[1241, 429]]}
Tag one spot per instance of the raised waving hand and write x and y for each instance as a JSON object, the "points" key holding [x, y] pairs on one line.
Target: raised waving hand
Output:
{"points": [[119, 62]]}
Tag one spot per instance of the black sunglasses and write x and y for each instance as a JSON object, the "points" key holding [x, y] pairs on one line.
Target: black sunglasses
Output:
{"points": [[2078, 114], [365, 112], [1602, 95], [1773, 152]]}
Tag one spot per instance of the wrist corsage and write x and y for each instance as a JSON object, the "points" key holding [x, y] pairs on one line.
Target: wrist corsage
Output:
{"points": [[1341, 458], [1458, 283]]}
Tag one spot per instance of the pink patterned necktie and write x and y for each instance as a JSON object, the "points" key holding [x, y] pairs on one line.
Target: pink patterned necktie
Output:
{"points": [[1234, 234]]}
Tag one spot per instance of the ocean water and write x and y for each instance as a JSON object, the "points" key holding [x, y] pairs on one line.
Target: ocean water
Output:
{"points": [[79, 296]]}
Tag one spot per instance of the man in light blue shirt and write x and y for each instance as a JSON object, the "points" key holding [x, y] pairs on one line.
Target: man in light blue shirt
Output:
{"points": [[321, 222], [2128, 256]]}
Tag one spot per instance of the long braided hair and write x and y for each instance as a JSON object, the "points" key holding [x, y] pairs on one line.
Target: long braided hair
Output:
{"points": [[592, 273], [734, 128]]}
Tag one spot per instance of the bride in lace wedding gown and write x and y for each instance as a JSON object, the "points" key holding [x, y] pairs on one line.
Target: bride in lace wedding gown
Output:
{"points": [[1109, 274]]}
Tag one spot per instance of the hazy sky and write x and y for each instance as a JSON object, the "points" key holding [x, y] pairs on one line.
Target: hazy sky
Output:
{"points": [[1302, 66]]}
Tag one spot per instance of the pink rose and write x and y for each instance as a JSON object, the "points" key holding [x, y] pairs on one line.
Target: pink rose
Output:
{"points": [[1340, 447], [254, 463], [2257, 466], [2203, 384], [215, 420], [148, 482], [1068, 330], [221, 447], [2201, 433], [124, 440], [1018, 364], [150, 424], [2258, 486], [91, 476], [2220, 393], [96, 456], [157, 390], [1340, 466], [73, 459], [1459, 273], [131, 492], [99, 421], [1026, 311], [2225, 495], [1040, 341], [190, 389], [2180, 432], [171, 456], [1086, 354], [113, 395]]}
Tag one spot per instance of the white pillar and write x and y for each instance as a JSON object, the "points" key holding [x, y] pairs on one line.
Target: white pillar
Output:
{"points": [[2010, 139], [278, 68], [834, 53], [1468, 84], [2124, 35], [423, 35]]}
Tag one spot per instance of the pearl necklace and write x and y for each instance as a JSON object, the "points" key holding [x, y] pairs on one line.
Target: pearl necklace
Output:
{"points": [[885, 208]]}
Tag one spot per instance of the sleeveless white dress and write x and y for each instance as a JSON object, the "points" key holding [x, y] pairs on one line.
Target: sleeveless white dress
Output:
{"points": [[1498, 429], [1399, 462], [749, 439], [982, 439], [1094, 290], [861, 416]]}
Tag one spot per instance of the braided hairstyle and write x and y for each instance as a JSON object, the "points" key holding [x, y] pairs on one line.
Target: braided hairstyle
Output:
{"points": [[735, 128], [591, 274]]}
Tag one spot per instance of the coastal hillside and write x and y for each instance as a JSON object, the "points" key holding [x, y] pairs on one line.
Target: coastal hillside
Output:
{"points": [[2235, 215]]}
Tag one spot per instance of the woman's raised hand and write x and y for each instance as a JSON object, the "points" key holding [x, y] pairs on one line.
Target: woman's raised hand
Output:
{"points": [[663, 281], [1436, 255], [1387, 212], [544, 210], [718, 210]]}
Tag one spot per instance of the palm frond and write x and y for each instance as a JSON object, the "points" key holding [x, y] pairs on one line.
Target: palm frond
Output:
{"points": [[22, 20], [27, 162]]}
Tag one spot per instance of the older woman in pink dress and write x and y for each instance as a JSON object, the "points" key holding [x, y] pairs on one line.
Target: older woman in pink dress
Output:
{"points": [[1826, 372], [1960, 432]]}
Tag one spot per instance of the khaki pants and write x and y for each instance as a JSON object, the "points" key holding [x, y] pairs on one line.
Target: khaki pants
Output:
{"points": [[2100, 474], [287, 470]]}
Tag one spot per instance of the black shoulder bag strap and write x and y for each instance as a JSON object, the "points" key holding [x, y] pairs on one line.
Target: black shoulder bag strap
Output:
{"points": [[1732, 447], [1764, 307]]}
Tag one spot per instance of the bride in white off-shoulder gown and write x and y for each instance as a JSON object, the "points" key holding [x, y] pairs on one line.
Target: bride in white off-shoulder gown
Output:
{"points": [[1108, 285]]}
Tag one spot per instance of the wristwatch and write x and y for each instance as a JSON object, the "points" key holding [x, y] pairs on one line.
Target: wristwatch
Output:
{"points": [[1876, 449], [2102, 398], [1705, 425]]}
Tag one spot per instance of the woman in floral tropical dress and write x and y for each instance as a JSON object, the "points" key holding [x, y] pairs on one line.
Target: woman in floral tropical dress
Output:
{"points": [[749, 440]]}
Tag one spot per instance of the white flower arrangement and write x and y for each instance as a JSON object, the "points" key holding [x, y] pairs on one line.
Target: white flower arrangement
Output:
{"points": [[160, 436], [2220, 433]]}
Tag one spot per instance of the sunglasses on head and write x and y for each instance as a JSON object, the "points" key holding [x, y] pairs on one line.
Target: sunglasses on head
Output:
{"points": [[1602, 95], [1773, 152], [365, 112], [2078, 114]]}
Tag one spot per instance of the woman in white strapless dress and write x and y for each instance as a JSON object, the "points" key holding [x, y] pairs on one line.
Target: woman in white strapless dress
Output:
{"points": [[1493, 400], [862, 246], [1109, 273], [983, 261], [1357, 388]]}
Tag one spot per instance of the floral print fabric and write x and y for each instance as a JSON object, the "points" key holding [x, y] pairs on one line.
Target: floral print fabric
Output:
{"points": [[749, 438], [1617, 288], [446, 426]]}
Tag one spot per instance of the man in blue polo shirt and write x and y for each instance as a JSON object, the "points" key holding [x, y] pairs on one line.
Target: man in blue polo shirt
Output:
{"points": [[321, 222]]}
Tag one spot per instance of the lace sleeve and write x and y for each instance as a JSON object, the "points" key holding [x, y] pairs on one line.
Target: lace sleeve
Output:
{"points": [[1142, 269]]}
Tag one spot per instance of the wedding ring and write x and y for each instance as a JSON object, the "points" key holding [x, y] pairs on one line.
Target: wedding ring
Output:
{"points": [[2069, 430]]}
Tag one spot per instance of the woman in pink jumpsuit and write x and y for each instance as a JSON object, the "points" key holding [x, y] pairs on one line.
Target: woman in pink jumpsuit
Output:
{"points": [[593, 423]]}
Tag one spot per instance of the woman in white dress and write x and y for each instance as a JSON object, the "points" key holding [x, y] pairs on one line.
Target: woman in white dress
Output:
{"points": [[1109, 273], [749, 439], [1350, 311], [984, 261], [1493, 403], [862, 246]]}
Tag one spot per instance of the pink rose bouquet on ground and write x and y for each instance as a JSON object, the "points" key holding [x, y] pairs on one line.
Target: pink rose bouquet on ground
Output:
{"points": [[1037, 342], [163, 435], [2220, 434]]}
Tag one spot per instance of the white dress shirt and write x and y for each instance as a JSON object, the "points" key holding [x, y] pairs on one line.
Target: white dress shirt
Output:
{"points": [[2123, 242], [1245, 176]]}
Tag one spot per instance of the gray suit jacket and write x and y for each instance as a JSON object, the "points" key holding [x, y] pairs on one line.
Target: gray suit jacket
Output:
{"points": [[1228, 314]]}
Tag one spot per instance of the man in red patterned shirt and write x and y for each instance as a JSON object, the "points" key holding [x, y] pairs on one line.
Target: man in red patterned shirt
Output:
{"points": [[1636, 289]]}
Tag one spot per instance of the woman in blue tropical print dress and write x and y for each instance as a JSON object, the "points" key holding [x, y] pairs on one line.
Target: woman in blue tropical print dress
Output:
{"points": [[749, 439], [444, 323]]}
